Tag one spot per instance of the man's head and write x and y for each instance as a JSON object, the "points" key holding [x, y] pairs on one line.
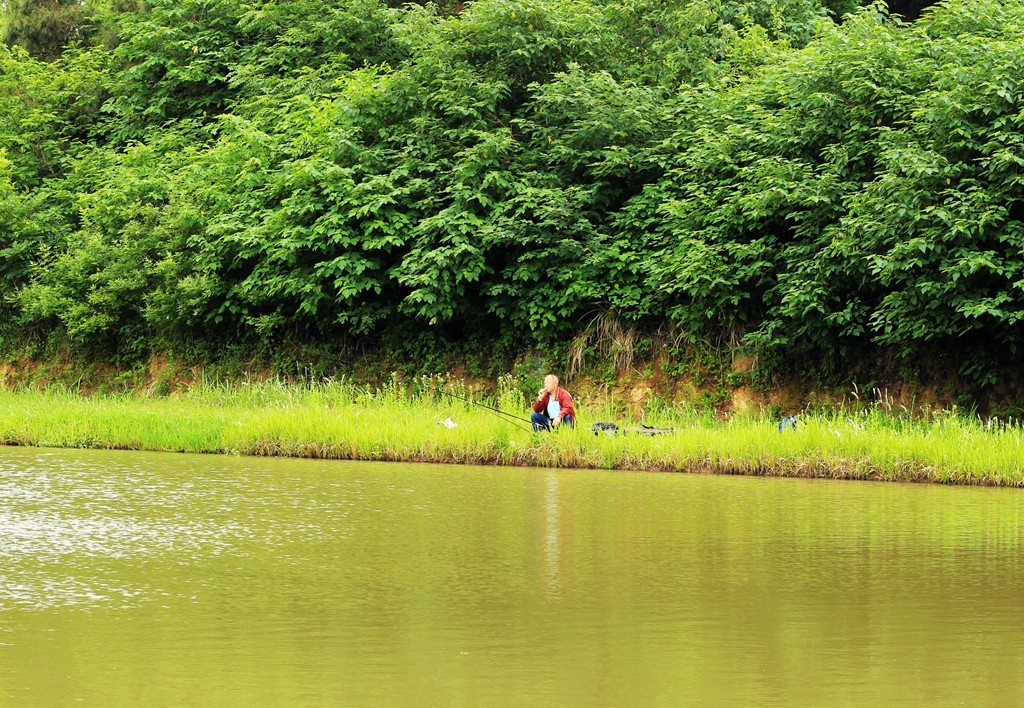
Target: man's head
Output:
{"points": [[551, 384]]}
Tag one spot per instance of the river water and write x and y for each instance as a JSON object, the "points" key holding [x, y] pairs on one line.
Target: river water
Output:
{"points": [[132, 579]]}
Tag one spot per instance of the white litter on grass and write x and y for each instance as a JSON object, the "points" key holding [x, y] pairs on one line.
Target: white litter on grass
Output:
{"points": [[448, 423]]}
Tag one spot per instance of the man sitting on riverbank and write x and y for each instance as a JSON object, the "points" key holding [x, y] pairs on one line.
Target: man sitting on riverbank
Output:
{"points": [[553, 406]]}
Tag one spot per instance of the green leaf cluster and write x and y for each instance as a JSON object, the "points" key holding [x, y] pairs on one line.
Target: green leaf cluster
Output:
{"points": [[861, 194]]}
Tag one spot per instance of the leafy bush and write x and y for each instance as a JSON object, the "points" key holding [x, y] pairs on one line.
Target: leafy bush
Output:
{"points": [[745, 171]]}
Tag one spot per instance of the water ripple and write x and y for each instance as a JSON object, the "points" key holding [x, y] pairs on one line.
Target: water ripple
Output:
{"points": [[68, 532]]}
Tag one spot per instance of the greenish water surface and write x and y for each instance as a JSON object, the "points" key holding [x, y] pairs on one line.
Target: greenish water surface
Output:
{"points": [[133, 579]]}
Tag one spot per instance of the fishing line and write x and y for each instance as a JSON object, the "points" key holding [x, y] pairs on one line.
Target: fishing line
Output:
{"points": [[514, 419]]}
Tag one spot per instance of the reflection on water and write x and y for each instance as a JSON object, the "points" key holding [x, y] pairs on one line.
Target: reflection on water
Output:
{"points": [[69, 527], [551, 539], [130, 579]]}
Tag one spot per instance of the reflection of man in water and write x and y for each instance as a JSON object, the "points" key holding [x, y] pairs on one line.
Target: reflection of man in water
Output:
{"points": [[553, 406]]}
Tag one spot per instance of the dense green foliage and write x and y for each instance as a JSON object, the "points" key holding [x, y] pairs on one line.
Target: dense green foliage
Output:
{"points": [[43, 27], [255, 172]]}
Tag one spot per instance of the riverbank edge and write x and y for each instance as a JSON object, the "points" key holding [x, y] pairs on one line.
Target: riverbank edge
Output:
{"points": [[404, 421], [846, 469]]}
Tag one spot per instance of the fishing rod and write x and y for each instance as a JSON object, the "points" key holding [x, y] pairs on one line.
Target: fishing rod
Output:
{"points": [[514, 419]]}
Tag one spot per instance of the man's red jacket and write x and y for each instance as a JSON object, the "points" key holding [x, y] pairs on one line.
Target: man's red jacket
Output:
{"points": [[563, 398]]}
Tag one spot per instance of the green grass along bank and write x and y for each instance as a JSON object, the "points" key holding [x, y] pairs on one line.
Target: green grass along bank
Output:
{"points": [[398, 423]]}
